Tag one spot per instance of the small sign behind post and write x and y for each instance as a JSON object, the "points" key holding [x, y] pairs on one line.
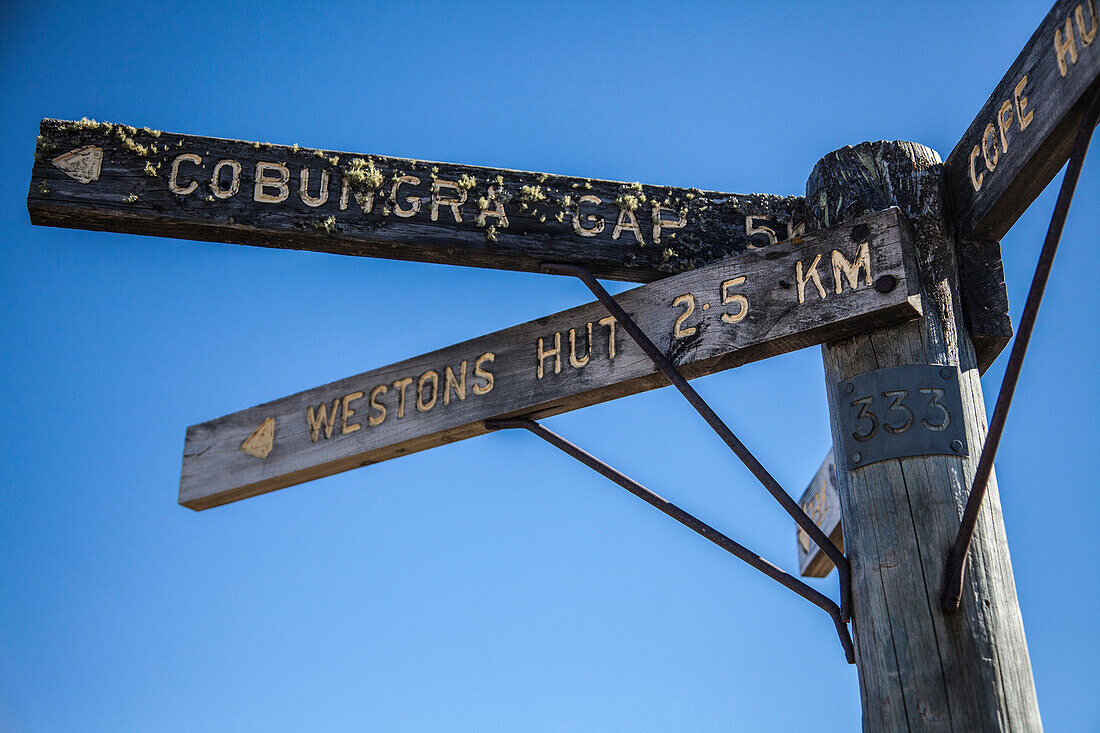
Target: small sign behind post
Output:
{"points": [[119, 178], [792, 295], [821, 502]]}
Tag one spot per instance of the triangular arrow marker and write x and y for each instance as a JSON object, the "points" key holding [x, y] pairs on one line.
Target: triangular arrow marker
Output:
{"points": [[261, 441], [81, 164]]}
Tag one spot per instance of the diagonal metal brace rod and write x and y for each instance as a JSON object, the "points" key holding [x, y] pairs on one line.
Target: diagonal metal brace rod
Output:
{"points": [[956, 561], [669, 370], [691, 522]]}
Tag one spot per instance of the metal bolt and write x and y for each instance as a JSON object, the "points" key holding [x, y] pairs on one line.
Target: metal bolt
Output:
{"points": [[857, 457], [946, 372], [849, 388], [860, 233], [886, 283], [957, 446]]}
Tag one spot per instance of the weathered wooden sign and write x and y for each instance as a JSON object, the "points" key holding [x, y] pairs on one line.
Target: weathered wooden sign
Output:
{"points": [[1023, 134], [821, 502], [119, 178], [788, 296]]}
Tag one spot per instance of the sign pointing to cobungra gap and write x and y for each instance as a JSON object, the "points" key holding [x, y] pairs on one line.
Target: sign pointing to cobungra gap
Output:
{"points": [[119, 178]]}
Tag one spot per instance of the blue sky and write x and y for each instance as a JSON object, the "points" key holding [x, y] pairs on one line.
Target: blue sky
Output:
{"points": [[491, 584]]}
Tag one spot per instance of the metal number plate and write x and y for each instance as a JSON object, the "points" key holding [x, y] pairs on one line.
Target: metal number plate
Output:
{"points": [[902, 411]]}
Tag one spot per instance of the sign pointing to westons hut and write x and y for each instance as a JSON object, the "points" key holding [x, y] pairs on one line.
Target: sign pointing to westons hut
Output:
{"points": [[119, 178], [1023, 134], [788, 296]]}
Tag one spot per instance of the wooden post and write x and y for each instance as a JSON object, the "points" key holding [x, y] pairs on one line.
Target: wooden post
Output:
{"points": [[920, 669]]}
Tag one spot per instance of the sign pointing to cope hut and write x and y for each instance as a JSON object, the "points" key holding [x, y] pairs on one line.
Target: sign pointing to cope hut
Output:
{"points": [[1023, 134], [119, 178], [788, 296]]}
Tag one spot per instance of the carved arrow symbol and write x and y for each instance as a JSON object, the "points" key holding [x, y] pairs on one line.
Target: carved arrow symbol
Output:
{"points": [[81, 164], [261, 441]]}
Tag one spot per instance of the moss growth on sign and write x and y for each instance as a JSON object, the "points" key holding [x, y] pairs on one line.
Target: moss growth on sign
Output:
{"points": [[129, 198], [327, 224], [44, 148], [125, 134], [467, 182], [627, 202], [363, 175], [531, 194], [43, 188]]}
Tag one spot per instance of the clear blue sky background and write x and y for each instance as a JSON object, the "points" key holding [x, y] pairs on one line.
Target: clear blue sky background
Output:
{"points": [[492, 584]]}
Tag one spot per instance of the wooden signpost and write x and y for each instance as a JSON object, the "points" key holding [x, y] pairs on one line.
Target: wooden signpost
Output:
{"points": [[119, 178], [908, 303], [794, 294], [1011, 151]]}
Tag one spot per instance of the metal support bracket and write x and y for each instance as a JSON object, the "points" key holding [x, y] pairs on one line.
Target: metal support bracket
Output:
{"points": [[691, 522], [672, 374], [956, 561]]}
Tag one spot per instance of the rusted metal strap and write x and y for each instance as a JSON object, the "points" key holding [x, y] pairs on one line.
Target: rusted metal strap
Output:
{"points": [[956, 561], [669, 370], [691, 522]]}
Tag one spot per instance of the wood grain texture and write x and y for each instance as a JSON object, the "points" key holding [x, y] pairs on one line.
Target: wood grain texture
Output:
{"points": [[919, 668], [1020, 139], [1025, 142], [111, 177], [204, 188], [747, 308], [821, 502], [984, 299]]}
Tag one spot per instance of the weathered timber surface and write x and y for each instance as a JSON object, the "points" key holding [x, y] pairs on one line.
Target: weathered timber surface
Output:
{"points": [[105, 176], [118, 178], [821, 502], [1023, 134], [788, 296], [984, 299], [919, 668], [1013, 148]]}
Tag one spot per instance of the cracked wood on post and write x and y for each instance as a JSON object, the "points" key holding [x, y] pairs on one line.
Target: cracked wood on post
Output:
{"points": [[920, 669], [788, 296], [118, 178]]}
